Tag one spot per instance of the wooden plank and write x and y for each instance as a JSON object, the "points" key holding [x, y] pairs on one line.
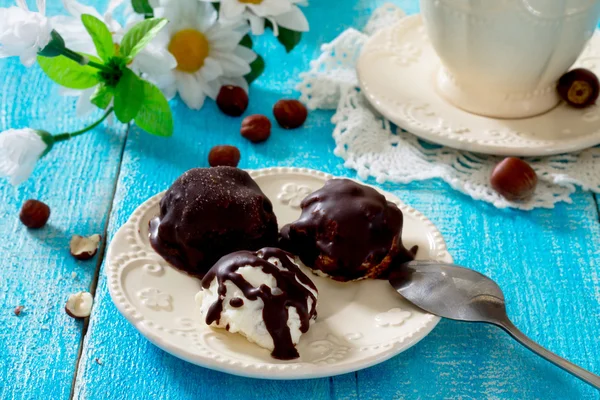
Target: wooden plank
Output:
{"points": [[40, 348]]}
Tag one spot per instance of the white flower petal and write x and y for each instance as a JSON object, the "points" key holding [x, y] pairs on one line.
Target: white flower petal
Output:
{"points": [[231, 9], [28, 59], [20, 149], [270, 7], [84, 105], [154, 61], [22, 4], [190, 90], [63, 91], [294, 20], [239, 81], [41, 6], [257, 24], [232, 65], [245, 54], [211, 69], [77, 9], [275, 26], [206, 16]]}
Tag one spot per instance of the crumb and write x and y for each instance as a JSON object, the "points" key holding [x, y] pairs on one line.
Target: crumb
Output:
{"points": [[74, 275], [98, 361], [18, 310]]}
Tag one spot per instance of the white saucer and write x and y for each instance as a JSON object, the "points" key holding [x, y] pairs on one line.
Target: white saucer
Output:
{"points": [[397, 71], [359, 324]]}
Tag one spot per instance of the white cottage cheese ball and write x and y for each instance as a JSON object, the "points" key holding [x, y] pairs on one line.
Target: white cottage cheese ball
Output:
{"points": [[261, 295]]}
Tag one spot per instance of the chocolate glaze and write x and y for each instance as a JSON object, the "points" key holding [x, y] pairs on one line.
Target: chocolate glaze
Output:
{"points": [[275, 312], [210, 212], [348, 231], [236, 302]]}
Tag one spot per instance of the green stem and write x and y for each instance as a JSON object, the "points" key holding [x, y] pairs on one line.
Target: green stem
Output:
{"points": [[79, 59], [66, 136]]}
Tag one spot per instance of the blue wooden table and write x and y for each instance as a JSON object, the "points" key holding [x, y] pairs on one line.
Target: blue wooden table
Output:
{"points": [[546, 261]]}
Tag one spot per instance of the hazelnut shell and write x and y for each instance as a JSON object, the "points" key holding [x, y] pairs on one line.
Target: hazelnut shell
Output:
{"points": [[514, 179], [224, 156], [290, 114], [34, 214], [232, 100], [256, 128], [579, 88]]}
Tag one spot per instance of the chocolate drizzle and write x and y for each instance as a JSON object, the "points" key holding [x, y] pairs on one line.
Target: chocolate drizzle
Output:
{"points": [[348, 231], [236, 302], [275, 312], [210, 212]]}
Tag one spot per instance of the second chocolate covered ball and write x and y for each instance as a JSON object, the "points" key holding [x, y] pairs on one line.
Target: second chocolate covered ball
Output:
{"points": [[347, 231]]}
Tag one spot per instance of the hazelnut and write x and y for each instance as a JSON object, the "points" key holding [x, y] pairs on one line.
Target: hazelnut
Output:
{"points": [[79, 305], [256, 128], [34, 214], [579, 87], [224, 156], [514, 179], [290, 114], [84, 248], [232, 100]]}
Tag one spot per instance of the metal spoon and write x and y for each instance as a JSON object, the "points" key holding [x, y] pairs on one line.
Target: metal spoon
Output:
{"points": [[458, 293]]}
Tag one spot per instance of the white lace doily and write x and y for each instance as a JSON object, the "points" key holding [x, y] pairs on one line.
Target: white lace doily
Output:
{"points": [[373, 147]]}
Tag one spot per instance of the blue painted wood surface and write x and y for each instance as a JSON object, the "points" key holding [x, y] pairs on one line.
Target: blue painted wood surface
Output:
{"points": [[546, 261]]}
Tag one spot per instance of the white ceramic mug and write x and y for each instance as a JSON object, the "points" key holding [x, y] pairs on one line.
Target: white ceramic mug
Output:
{"points": [[502, 58]]}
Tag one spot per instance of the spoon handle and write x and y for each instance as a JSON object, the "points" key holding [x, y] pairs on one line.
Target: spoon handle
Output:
{"points": [[568, 366]]}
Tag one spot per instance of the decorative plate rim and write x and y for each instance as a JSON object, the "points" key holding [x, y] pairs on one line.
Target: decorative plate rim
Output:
{"points": [[118, 259]]}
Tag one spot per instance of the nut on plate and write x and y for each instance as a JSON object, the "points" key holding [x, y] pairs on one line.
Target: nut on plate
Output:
{"points": [[579, 87], [256, 128], [34, 214], [232, 100], [84, 248], [79, 305], [224, 156], [290, 114], [514, 179]]}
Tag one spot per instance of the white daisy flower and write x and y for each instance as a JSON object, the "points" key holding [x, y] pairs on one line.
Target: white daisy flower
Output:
{"points": [[207, 52], [20, 149], [284, 13], [23, 32], [152, 61]]}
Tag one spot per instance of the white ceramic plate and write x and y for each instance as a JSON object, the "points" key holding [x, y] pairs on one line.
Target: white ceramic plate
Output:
{"points": [[397, 70], [359, 324]]}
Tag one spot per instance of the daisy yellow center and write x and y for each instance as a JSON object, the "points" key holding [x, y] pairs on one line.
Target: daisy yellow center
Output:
{"points": [[190, 48], [251, 1]]}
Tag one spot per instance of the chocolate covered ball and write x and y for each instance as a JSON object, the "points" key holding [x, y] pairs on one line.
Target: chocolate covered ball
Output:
{"points": [[347, 231], [208, 213]]}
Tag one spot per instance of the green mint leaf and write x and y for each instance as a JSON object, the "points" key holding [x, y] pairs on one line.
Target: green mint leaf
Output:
{"points": [[140, 35], [289, 38], [54, 47], [101, 36], [102, 96], [155, 115], [246, 42], [142, 7], [129, 96], [68, 73], [257, 67]]}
